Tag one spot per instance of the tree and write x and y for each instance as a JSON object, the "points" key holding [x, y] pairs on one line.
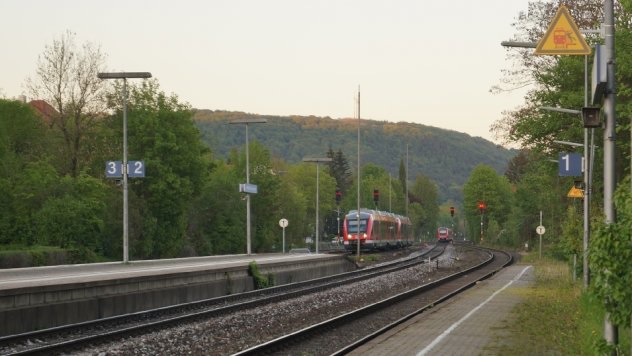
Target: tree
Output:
{"points": [[162, 133], [25, 176], [424, 193], [487, 187], [67, 79], [217, 220], [339, 169], [403, 176]]}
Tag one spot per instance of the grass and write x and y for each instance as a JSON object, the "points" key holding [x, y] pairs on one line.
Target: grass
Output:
{"points": [[556, 318]]}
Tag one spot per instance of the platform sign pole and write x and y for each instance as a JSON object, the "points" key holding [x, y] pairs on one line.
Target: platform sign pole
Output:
{"points": [[283, 223], [540, 230], [124, 168]]}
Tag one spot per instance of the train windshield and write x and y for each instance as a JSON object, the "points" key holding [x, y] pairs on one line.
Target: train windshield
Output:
{"points": [[352, 225]]}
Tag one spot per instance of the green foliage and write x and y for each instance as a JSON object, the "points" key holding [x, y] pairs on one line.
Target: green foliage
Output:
{"points": [[162, 133], [611, 259], [485, 185], [260, 281], [571, 238], [550, 313], [339, 169], [424, 193], [14, 256], [73, 216]]}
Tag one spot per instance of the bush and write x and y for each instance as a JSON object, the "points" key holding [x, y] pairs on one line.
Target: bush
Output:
{"points": [[36, 256], [260, 281]]}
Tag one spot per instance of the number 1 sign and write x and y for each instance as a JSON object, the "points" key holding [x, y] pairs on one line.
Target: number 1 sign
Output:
{"points": [[570, 165]]}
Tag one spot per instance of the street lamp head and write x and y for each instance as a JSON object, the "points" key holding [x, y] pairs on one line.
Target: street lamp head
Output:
{"points": [[249, 121], [519, 44], [123, 75], [566, 111], [317, 160], [574, 144]]}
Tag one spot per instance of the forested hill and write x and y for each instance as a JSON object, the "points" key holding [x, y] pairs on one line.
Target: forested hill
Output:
{"points": [[445, 156]]}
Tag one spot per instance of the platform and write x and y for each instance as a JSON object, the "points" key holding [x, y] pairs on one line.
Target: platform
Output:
{"points": [[463, 325], [43, 297]]}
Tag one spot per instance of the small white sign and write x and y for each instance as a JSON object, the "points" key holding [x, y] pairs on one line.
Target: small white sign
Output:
{"points": [[283, 223], [540, 230]]}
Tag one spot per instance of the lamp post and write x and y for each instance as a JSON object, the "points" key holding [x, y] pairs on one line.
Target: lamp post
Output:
{"points": [[247, 122], [359, 179], [317, 161], [124, 76]]}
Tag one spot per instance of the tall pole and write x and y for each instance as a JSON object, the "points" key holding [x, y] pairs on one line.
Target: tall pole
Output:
{"points": [[540, 253], [586, 201], [124, 76], [406, 182], [248, 233], [248, 230], [481, 226], [124, 170], [338, 224], [390, 184], [317, 204], [317, 161], [610, 330], [358, 217]]}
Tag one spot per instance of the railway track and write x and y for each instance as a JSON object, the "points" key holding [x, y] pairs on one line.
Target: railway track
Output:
{"points": [[74, 337], [341, 334]]}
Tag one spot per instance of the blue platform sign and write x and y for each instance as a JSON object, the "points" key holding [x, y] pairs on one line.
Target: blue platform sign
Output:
{"points": [[113, 169], [135, 169], [570, 164], [248, 188]]}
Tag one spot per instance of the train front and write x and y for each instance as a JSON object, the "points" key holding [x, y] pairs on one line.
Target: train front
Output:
{"points": [[351, 233]]}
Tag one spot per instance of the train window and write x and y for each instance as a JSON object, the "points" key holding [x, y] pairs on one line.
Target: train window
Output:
{"points": [[353, 225]]}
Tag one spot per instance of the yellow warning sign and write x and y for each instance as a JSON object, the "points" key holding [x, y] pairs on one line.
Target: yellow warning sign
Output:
{"points": [[575, 193], [562, 37]]}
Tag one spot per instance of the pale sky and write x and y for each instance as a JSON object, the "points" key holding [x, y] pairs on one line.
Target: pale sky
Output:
{"points": [[421, 61]]}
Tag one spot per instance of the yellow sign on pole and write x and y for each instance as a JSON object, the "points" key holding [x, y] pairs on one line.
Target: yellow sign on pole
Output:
{"points": [[562, 37], [575, 193]]}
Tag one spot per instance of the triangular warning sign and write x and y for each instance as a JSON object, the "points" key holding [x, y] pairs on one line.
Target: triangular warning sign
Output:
{"points": [[562, 37], [575, 193]]}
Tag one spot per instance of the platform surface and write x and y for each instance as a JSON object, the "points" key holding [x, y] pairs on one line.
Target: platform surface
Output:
{"points": [[52, 275], [464, 325]]}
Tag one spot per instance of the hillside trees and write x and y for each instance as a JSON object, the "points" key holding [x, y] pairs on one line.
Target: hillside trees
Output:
{"points": [[67, 79]]}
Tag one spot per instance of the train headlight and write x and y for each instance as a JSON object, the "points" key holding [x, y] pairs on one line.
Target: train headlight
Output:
{"points": [[364, 235]]}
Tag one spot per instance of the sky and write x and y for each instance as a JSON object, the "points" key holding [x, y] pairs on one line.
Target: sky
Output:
{"points": [[420, 61]]}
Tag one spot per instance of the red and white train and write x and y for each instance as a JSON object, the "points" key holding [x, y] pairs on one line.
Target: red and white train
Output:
{"points": [[378, 230], [445, 234]]}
